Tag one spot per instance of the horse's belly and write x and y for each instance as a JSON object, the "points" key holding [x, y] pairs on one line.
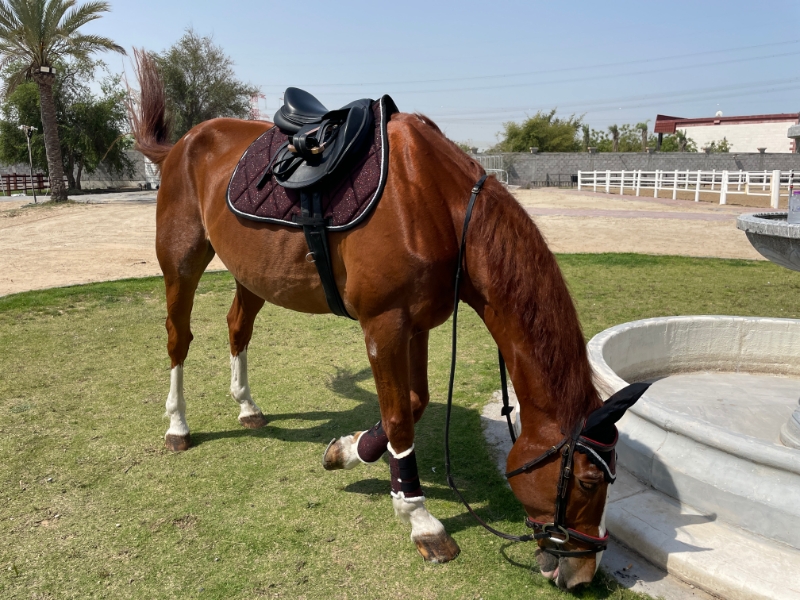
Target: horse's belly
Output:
{"points": [[270, 261]]}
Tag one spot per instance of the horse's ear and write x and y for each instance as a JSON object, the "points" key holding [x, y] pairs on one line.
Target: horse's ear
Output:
{"points": [[600, 422]]}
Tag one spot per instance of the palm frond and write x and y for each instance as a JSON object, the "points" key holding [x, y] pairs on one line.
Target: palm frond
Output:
{"points": [[52, 17], [91, 43], [8, 20], [80, 16]]}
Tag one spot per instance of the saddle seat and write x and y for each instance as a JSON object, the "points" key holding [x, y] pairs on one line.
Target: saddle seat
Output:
{"points": [[322, 143], [299, 108]]}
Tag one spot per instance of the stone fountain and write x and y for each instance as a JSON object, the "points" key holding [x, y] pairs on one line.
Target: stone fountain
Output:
{"points": [[779, 241]]}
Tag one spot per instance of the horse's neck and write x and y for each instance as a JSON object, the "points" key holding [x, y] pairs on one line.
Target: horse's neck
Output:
{"points": [[517, 288]]}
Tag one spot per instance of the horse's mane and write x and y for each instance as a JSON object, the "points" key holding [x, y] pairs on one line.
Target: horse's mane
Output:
{"points": [[527, 279]]}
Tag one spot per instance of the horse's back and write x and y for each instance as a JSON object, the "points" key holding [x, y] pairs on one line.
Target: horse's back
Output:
{"points": [[402, 254]]}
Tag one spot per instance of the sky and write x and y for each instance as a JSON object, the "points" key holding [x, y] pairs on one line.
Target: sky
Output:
{"points": [[472, 66]]}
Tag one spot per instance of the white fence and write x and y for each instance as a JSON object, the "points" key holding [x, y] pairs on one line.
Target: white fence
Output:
{"points": [[775, 184]]}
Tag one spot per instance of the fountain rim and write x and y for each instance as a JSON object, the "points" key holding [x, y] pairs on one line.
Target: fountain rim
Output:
{"points": [[765, 224], [742, 446]]}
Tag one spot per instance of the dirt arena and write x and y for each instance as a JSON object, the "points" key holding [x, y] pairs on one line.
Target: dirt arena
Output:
{"points": [[111, 236]]}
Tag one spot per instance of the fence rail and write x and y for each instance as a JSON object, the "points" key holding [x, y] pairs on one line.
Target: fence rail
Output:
{"points": [[774, 184], [493, 165], [16, 182]]}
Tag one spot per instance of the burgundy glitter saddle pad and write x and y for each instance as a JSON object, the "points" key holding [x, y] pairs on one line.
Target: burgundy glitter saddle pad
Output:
{"points": [[346, 201]]}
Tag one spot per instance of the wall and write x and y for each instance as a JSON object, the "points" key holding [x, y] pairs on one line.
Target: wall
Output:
{"points": [[101, 178], [744, 137], [526, 168]]}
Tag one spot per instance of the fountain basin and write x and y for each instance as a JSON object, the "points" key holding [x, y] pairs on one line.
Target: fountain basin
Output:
{"points": [[694, 435], [773, 237]]}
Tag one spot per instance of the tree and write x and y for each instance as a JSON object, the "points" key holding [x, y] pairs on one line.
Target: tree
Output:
{"points": [[35, 34], [678, 142], [544, 131], [587, 136], [629, 139], [90, 128], [200, 83], [614, 131], [722, 146]]}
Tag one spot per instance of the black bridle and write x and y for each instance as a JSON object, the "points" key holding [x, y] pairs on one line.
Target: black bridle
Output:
{"points": [[556, 531]]}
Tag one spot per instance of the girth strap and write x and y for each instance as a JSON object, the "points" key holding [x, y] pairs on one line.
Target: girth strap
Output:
{"points": [[313, 223]]}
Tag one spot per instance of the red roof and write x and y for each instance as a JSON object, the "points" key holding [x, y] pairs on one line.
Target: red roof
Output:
{"points": [[666, 124]]}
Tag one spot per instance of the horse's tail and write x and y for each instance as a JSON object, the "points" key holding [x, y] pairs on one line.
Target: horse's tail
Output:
{"points": [[148, 115]]}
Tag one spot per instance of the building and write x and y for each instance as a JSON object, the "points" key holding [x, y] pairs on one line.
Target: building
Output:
{"points": [[745, 134]]}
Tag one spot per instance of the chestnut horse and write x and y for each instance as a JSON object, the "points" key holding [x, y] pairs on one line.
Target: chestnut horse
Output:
{"points": [[395, 272]]}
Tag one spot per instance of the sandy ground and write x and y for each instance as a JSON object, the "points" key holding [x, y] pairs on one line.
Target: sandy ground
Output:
{"points": [[111, 236], [574, 221]]}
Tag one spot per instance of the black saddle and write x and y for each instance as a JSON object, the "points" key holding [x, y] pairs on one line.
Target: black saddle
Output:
{"points": [[322, 142]]}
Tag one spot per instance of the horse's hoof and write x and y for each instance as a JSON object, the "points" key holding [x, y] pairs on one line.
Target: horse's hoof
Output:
{"points": [[334, 457], [177, 443], [256, 421], [437, 548]]}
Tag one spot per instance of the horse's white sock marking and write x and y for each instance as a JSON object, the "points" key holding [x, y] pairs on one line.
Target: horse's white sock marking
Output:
{"points": [[240, 386], [413, 512], [176, 404]]}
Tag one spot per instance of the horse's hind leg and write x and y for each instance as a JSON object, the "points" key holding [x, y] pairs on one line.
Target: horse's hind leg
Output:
{"points": [[182, 265], [241, 316], [369, 446]]}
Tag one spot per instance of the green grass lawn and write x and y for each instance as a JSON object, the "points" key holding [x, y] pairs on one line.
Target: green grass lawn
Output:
{"points": [[92, 506]]}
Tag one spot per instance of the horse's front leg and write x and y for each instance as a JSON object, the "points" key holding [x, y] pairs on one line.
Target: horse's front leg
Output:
{"points": [[369, 446], [241, 317], [387, 339]]}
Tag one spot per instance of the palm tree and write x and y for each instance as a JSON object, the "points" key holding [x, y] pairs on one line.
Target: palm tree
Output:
{"points": [[34, 36], [587, 138], [682, 140], [643, 128], [614, 131]]}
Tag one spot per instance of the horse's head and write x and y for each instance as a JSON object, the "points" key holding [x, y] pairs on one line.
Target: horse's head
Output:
{"points": [[562, 478]]}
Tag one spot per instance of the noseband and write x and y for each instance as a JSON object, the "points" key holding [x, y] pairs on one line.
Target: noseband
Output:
{"points": [[557, 531]]}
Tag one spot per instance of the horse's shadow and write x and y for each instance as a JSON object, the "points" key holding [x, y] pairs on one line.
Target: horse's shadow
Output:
{"points": [[492, 502]]}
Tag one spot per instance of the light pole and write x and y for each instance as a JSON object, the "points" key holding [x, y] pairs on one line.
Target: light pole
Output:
{"points": [[28, 129]]}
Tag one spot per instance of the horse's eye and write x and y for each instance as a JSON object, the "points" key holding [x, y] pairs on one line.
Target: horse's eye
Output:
{"points": [[587, 485]]}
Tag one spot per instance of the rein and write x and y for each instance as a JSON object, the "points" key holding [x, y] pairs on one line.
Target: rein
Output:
{"points": [[541, 530]]}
